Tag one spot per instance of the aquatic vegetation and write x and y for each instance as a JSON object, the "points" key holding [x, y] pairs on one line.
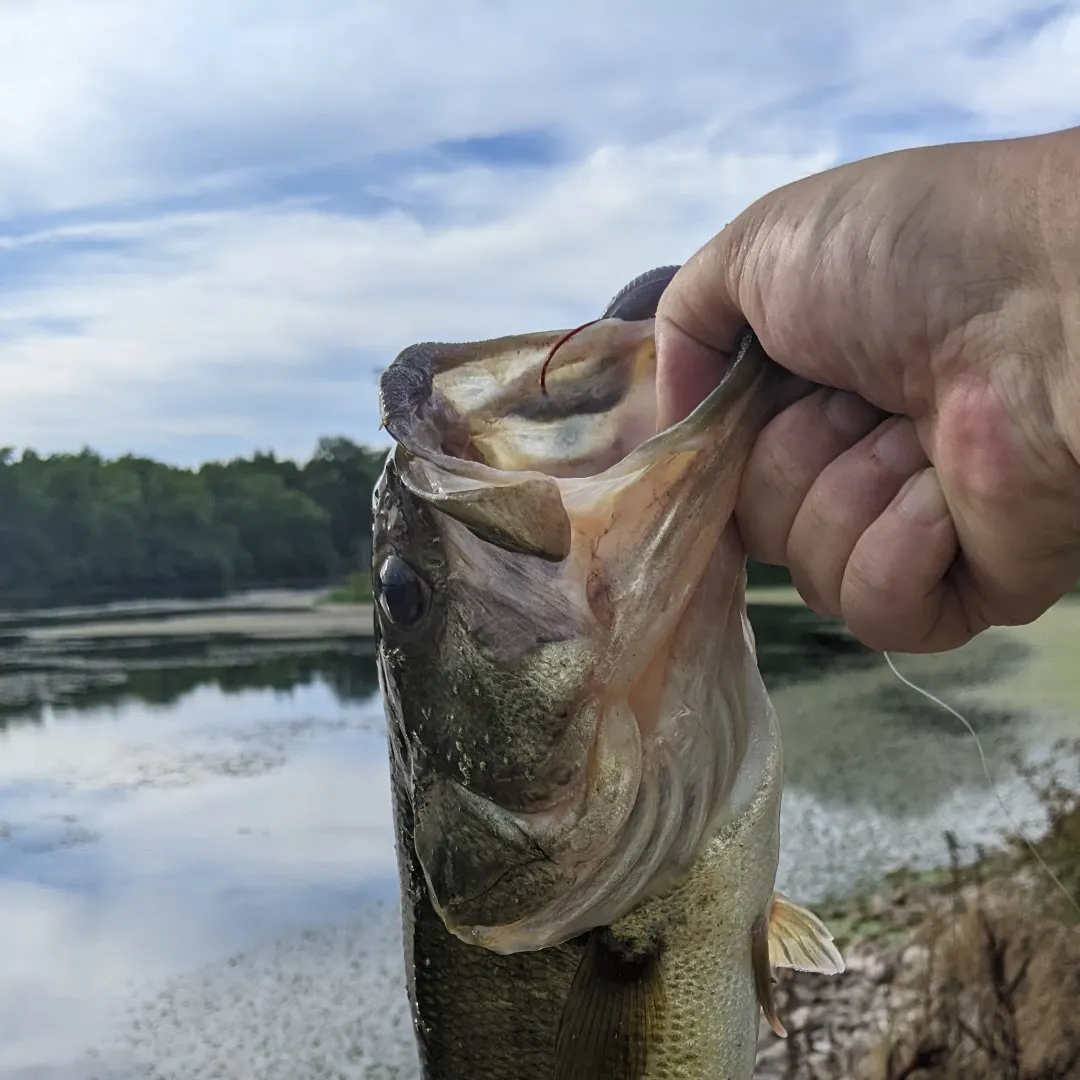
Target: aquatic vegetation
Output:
{"points": [[970, 972]]}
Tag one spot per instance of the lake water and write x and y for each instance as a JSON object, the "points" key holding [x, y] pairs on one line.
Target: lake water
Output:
{"points": [[197, 873]]}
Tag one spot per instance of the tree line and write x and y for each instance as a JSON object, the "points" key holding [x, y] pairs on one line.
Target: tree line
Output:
{"points": [[78, 528]]}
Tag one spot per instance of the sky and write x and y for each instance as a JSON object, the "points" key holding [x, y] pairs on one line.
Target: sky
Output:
{"points": [[220, 221]]}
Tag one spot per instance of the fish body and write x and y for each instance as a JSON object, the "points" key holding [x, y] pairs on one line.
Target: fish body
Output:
{"points": [[586, 767]]}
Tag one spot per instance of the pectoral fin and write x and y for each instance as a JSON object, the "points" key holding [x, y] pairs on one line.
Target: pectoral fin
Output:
{"points": [[792, 937], [799, 939], [612, 1012]]}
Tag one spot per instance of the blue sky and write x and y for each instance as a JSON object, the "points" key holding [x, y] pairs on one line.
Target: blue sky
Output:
{"points": [[218, 221]]}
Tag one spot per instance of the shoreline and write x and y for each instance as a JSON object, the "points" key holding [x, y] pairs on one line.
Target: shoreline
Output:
{"points": [[308, 615], [264, 616], [939, 965], [312, 621]]}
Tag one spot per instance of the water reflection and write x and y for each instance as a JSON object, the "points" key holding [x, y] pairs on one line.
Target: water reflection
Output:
{"points": [[349, 675], [150, 834], [794, 644], [857, 736], [161, 673]]}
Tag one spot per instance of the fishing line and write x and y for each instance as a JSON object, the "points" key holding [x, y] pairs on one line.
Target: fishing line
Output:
{"points": [[989, 778]]}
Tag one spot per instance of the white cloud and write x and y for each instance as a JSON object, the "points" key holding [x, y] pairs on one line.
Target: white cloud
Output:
{"points": [[250, 300], [132, 322]]}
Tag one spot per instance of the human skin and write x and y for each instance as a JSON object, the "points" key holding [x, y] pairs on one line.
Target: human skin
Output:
{"points": [[930, 486]]}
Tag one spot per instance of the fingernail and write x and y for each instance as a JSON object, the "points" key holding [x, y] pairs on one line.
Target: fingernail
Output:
{"points": [[850, 414], [899, 449], [921, 498]]}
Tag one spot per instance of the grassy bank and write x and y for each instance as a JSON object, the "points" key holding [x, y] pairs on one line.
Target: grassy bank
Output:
{"points": [[356, 590]]}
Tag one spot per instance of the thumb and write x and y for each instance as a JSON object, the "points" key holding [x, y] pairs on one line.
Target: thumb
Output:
{"points": [[698, 322]]}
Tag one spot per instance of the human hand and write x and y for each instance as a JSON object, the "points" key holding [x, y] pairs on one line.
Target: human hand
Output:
{"points": [[931, 488]]}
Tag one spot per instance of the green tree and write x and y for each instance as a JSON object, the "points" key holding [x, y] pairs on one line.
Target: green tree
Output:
{"points": [[340, 477], [79, 528]]}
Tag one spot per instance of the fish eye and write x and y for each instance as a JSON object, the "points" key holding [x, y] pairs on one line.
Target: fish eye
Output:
{"points": [[403, 594]]}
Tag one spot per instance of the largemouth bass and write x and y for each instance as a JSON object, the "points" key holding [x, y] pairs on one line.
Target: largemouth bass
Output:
{"points": [[586, 767]]}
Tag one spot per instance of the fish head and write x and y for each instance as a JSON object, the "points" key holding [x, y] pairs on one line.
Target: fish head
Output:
{"points": [[563, 646]]}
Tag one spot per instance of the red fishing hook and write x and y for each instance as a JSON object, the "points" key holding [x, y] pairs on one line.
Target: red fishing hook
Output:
{"points": [[556, 347]]}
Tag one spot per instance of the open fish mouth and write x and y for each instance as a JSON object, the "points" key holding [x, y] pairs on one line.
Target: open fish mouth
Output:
{"points": [[583, 726]]}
